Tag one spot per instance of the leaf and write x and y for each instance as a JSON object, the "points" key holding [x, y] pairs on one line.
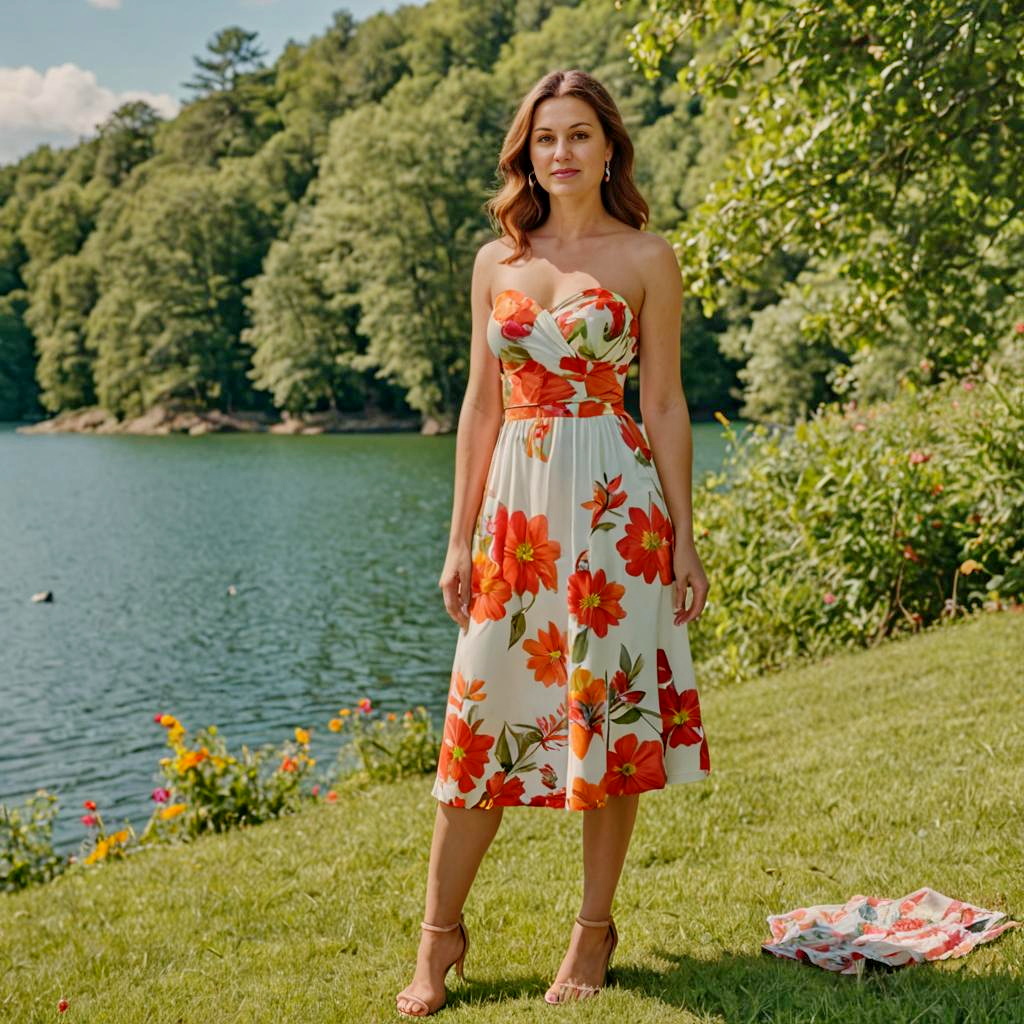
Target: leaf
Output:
{"points": [[624, 662], [518, 628], [579, 646], [637, 667], [501, 751], [632, 714]]}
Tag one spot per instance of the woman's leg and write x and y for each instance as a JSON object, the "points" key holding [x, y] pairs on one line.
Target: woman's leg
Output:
{"points": [[606, 836], [461, 838]]}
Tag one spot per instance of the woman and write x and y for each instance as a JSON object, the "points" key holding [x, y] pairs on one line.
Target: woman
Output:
{"points": [[570, 554]]}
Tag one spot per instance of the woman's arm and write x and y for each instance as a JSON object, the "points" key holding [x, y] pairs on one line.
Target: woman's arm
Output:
{"points": [[479, 422], [665, 416]]}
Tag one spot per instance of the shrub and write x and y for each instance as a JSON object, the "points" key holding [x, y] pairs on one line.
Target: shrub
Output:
{"points": [[26, 843]]}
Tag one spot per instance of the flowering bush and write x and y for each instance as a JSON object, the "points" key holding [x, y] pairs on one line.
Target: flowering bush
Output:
{"points": [[384, 747], [210, 790], [863, 523]]}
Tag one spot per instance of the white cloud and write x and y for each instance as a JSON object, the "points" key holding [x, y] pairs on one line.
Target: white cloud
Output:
{"points": [[59, 105], [106, 5]]}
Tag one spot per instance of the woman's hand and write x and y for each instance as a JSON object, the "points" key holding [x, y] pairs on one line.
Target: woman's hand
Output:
{"points": [[456, 583], [688, 573]]}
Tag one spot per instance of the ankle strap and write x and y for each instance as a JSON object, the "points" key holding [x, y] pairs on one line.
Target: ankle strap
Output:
{"points": [[594, 924], [441, 928]]}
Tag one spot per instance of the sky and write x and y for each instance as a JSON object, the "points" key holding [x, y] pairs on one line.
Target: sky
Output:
{"points": [[67, 64]]}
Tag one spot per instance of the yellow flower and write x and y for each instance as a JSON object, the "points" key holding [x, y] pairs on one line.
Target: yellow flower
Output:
{"points": [[175, 734], [970, 565], [301, 736], [121, 836], [101, 850], [722, 418], [335, 724], [345, 712], [172, 811], [168, 720], [218, 761]]}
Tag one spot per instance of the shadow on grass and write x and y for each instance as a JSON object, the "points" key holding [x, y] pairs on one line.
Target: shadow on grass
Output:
{"points": [[767, 988]]}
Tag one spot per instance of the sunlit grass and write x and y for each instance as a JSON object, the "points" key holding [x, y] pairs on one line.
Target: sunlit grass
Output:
{"points": [[872, 772]]}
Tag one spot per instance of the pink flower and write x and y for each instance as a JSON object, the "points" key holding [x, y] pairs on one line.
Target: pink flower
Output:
{"points": [[918, 457], [316, 789], [1019, 326], [365, 705], [968, 384], [828, 597], [88, 820], [160, 795]]}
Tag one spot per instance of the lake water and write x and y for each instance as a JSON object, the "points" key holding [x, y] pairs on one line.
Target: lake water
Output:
{"points": [[334, 545]]}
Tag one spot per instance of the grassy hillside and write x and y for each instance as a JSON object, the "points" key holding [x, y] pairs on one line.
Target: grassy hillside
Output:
{"points": [[872, 772]]}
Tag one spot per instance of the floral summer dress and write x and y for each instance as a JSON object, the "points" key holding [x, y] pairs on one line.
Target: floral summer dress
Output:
{"points": [[572, 682]]}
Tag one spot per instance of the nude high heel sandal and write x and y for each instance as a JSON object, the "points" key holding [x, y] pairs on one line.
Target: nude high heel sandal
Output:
{"points": [[457, 963], [586, 991]]}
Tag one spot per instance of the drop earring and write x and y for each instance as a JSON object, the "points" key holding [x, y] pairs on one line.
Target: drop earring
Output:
{"points": [[607, 172], [533, 181]]}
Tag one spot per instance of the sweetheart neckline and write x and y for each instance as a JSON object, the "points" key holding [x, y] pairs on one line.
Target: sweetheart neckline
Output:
{"points": [[558, 305]]}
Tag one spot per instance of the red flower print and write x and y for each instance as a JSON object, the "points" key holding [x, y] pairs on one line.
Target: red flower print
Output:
{"points": [[463, 752], [555, 799], [548, 776], [598, 377], [680, 715], [634, 767], [459, 691], [587, 696], [606, 497], [664, 669], [705, 758], [621, 684], [587, 796], [515, 313], [594, 600], [502, 791], [489, 591], [633, 437], [534, 384], [553, 732], [535, 439], [647, 546], [529, 555], [548, 655]]}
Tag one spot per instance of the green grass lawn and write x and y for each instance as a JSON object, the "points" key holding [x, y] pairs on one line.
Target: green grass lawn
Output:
{"points": [[871, 772]]}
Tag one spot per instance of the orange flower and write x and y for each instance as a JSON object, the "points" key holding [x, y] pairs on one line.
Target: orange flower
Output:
{"points": [[502, 791], [534, 443], [680, 715], [633, 437], [331, 797], [515, 312], [605, 498], [647, 546], [533, 383], [587, 796], [549, 655], [172, 811], [529, 558], [463, 752], [587, 696], [288, 764], [489, 591], [599, 378], [595, 601], [459, 692], [634, 767]]}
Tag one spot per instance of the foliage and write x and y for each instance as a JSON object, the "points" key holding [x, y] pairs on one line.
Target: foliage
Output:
{"points": [[881, 138], [864, 522], [26, 848], [385, 747]]}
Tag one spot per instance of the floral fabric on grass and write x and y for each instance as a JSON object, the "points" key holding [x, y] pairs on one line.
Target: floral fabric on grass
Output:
{"points": [[572, 682], [922, 926]]}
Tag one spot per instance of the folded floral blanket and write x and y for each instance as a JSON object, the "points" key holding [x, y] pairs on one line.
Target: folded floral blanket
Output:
{"points": [[922, 926]]}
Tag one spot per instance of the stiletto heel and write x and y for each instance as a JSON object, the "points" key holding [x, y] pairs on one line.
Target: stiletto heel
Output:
{"points": [[586, 991], [457, 963]]}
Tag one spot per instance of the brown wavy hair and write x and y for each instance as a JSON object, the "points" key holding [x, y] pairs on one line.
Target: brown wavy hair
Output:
{"points": [[516, 208]]}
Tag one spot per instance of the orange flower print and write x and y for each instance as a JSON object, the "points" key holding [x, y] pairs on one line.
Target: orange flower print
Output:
{"points": [[502, 791], [647, 546], [587, 696], [594, 600], [548, 655], [587, 796], [489, 591], [607, 496], [633, 437], [598, 377], [680, 715], [529, 555], [534, 384], [515, 313], [463, 752], [459, 691], [534, 443], [634, 767], [497, 527]]}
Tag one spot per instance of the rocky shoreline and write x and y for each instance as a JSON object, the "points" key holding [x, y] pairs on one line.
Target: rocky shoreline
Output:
{"points": [[164, 419]]}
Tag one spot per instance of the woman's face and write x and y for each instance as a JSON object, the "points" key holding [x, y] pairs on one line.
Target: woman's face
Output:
{"points": [[567, 136]]}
